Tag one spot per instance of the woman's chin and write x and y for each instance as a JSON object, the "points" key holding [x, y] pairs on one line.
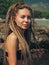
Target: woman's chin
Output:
{"points": [[25, 28]]}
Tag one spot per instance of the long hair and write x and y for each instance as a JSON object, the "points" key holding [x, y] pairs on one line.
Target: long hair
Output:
{"points": [[10, 27]]}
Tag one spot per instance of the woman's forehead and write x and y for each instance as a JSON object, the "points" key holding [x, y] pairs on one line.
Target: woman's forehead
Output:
{"points": [[24, 11]]}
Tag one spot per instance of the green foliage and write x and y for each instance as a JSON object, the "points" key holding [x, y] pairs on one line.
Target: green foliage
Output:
{"points": [[37, 14], [41, 14], [4, 5], [40, 9]]}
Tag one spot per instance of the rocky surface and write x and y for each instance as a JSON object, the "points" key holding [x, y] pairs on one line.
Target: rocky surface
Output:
{"points": [[41, 32], [40, 56]]}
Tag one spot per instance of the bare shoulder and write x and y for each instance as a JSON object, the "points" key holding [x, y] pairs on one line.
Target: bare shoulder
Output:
{"points": [[11, 41], [12, 37]]}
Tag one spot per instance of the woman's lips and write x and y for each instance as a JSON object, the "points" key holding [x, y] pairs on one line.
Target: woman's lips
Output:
{"points": [[25, 24]]}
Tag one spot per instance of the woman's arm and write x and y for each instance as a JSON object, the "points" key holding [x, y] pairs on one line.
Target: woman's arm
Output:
{"points": [[11, 49]]}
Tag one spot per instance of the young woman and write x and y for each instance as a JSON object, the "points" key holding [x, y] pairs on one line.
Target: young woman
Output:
{"points": [[18, 25]]}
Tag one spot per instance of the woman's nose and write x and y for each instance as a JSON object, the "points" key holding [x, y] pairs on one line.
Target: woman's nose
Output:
{"points": [[26, 19]]}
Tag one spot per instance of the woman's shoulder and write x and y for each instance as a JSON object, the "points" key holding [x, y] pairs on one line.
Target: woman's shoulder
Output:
{"points": [[12, 37], [11, 40]]}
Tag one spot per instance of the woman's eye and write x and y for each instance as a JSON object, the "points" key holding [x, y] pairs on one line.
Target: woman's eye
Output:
{"points": [[22, 16], [29, 17]]}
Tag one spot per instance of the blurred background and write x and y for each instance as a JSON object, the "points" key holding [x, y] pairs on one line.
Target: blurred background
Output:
{"points": [[39, 45]]}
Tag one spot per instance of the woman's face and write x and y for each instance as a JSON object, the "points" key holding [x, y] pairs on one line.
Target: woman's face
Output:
{"points": [[23, 18]]}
